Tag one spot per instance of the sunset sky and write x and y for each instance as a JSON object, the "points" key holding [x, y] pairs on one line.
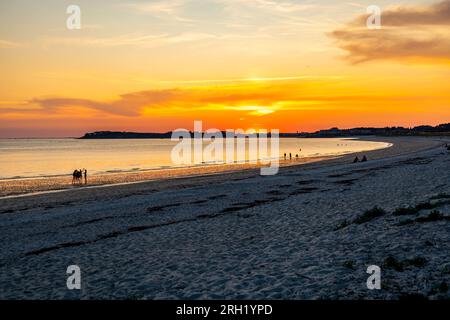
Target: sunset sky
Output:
{"points": [[158, 65]]}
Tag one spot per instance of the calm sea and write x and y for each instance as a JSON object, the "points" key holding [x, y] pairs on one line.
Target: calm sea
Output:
{"points": [[25, 158]]}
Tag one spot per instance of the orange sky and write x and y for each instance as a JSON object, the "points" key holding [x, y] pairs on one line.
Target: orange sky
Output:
{"points": [[159, 65]]}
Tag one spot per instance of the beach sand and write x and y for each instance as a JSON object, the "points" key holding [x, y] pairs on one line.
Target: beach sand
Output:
{"points": [[239, 235]]}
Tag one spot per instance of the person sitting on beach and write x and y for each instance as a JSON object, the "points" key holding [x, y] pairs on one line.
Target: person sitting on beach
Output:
{"points": [[364, 159], [356, 160]]}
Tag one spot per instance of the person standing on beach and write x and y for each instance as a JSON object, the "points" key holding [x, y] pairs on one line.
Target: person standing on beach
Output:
{"points": [[85, 176], [290, 156], [74, 176]]}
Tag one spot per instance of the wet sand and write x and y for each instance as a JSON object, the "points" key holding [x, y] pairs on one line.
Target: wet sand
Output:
{"points": [[11, 187]]}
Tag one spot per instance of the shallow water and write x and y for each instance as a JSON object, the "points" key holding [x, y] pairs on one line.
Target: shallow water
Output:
{"points": [[27, 158]]}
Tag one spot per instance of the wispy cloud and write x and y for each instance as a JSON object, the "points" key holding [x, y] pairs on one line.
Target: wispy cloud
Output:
{"points": [[137, 40], [417, 33], [5, 44], [285, 16], [173, 9], [127, 105], [269, 17], [168, 6], [272, 5], [254, 80]]}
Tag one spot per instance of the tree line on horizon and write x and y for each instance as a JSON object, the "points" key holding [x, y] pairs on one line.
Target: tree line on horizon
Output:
{"points": [[423, 130]]}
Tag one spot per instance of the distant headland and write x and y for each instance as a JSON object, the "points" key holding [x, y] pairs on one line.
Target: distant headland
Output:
{"points": [[424, 130]]}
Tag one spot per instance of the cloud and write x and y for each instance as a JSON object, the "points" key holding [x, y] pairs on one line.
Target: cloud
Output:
{"points": [[255, 79], [129, 104], [256, 97], [414, 33], [280, 17], [173, 9], [253, 18], [5, 44], [434, 14], [170, 100], [278, 6], [137, 40], [168, 7]]}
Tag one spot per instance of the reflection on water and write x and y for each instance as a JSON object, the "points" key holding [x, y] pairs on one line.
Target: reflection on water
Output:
{"points": [[20, 158]]}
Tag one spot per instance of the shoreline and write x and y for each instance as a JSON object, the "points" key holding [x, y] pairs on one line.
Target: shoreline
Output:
{"points": [[14, 187], [399, 146], [10, 188]]}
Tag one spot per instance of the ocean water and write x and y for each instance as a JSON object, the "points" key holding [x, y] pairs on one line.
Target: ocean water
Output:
{"points": [[28, 158]]}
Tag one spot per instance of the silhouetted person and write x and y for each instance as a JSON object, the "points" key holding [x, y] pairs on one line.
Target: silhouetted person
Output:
{"points": [[74, 176], [356, 160], [85, 176], [290, 156], [364, 159], [77, 176], [285, 156]]}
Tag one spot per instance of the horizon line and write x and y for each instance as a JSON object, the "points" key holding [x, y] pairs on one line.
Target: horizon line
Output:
{"points": [[166, 132]]}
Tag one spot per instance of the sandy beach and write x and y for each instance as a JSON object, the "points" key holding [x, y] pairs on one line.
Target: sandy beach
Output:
{"points": [[307, 233]]}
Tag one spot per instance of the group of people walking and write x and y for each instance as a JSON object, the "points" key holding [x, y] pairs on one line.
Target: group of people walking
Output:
{"points": [[78, 175]]}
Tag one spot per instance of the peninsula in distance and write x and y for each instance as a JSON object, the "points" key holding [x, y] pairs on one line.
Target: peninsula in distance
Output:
{"points": [[423, 130]]}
